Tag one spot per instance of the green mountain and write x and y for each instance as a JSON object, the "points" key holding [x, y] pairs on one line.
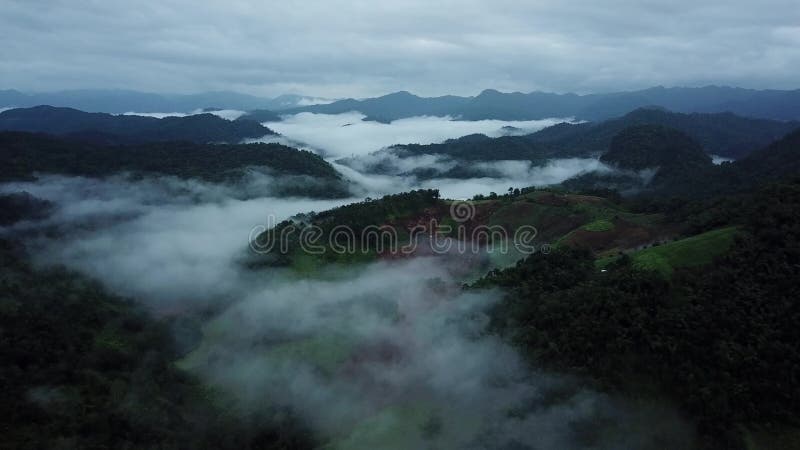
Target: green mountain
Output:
{"points": [[85, 369], [112, 129], [708, 321], [648, 146], [23, 154], [722, 134]]}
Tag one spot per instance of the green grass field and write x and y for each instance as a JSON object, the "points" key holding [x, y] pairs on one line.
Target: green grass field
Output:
{"points": [[689, 252], [599, 225]]}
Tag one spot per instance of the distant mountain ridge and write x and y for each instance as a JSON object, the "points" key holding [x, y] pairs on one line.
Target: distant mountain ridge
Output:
{"points": [[722, 134], [682, 169], [117, 101], [124, 129], [492, 104], [24, 155]]}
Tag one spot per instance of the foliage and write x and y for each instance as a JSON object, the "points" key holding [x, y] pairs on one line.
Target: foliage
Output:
{"points": [[368, 226], [693, 251], [84, 369], [124, 129], [23, 154], [22, 205], [599, 225], [721, 340]]}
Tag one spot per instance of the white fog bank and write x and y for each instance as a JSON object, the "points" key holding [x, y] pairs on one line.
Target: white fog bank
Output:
{"points": [[343, 135]]}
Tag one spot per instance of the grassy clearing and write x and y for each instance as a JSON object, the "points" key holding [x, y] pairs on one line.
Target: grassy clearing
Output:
{"points": [[689, 252], [599, 225]]}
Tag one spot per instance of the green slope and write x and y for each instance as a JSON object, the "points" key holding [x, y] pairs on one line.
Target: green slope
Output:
{"points": [[689, 252]]}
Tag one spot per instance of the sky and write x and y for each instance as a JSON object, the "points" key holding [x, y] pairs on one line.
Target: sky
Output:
{"points": [[360, 48]]}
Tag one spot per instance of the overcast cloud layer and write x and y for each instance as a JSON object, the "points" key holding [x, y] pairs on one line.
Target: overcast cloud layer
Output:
{"points": [[354, 48]]}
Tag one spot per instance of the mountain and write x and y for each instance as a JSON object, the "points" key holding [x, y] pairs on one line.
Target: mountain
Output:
{"points": [[683, 169], [121, 101], [644, 146], [678, 160], [492, 104], [778, 160], [125, 129], [22, 155], [261, 116], [723, 134], [391, 107], [78, 358]]}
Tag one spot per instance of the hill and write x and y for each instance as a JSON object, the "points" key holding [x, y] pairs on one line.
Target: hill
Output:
{"points": [[722, 134], [121, 101], [24, 154], [720, 340], [648, 146], [108, 128], [492, 104], [390, 107], [86, 369]]}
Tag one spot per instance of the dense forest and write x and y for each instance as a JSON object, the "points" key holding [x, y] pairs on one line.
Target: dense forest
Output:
{"points": [[128, 129], [721, 134], [720, 340], [85, 369], [24, 154]]}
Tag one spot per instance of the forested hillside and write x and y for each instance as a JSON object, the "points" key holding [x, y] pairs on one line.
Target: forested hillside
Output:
{"points": [[124, 129], [85, 369], [720, 340], [24, 154]]}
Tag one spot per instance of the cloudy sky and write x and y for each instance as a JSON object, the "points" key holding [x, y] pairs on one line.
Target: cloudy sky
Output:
{"points": [[359, 48]]}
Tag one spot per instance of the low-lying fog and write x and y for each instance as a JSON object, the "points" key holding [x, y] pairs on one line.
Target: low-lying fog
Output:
{"points": [[348, 136], [386, 355], [343, 135], [228, 114]]}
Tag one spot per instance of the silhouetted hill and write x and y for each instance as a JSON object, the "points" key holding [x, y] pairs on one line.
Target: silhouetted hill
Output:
{"points": [[117, 101], [390, 107], [683, 170], [778, 160], [492, 104], [108, 128], [723, 134], [20, 206], [644, 146], [261, 116], [24, 154]]}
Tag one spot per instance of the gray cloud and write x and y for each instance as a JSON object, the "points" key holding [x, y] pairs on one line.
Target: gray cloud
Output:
{"points": [[354, 48]]}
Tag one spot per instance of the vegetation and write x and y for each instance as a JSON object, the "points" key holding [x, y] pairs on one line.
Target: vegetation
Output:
{"points": [[260, 116], [697, 250], [21, 205], [112, 129], [367, 228], [84, 369], [672, 135], [723, 134], [720, 340], [23, 154]]}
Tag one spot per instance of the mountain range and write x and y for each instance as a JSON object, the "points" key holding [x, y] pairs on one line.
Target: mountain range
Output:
{"points": [[122, 101], [492, 104], [127, 129], [489, 104]]}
